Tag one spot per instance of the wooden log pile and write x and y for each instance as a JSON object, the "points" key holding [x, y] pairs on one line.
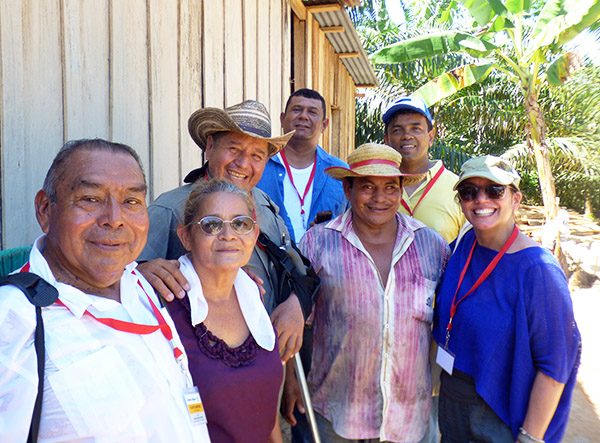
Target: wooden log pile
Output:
{"points": [[581, 229], [531, 218]]}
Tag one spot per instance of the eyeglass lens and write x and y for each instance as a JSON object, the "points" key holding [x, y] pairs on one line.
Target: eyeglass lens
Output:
{"points": [[470, 193], [213, 225]]}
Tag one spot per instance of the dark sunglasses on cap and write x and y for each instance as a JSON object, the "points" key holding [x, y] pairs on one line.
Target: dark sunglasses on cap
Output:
{"points": [[212, 225], [469, 193]]}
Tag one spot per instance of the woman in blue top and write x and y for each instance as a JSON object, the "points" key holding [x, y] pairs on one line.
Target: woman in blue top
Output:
{"points": [[504, 322]]}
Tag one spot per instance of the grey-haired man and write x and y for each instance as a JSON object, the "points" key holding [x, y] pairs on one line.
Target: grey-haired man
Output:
{"points": [[112, 369]]}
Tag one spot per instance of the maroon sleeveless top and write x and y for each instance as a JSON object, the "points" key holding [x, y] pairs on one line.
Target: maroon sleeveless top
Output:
{"points": [[239, 386]]}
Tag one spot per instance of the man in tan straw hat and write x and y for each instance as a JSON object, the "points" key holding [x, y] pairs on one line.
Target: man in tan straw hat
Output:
{"points": [[237, 143], [370, 375]]}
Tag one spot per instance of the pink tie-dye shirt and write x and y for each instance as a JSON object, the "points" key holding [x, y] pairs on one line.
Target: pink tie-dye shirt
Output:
{"points": [[370, 374]]}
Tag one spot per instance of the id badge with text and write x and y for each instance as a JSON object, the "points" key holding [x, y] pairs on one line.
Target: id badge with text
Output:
{"points": [[195, 407], [445, 359]]}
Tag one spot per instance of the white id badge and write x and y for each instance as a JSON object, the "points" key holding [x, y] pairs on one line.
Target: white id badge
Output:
{"points": [[194, 405], [445, 359]]}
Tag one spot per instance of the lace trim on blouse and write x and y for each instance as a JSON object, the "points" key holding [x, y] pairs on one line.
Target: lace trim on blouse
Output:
{"points": [[215, 348]]}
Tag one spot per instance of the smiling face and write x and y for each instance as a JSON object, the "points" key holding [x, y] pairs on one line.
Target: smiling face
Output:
{"points": [[99, 222], [227, 250], [238, 158], [305, 116], [487, 215], [408, 134], [374, 200]]}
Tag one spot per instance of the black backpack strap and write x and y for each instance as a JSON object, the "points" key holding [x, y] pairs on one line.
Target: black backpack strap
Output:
{"points": [[41, 363], [295, 273], [40, 293]]}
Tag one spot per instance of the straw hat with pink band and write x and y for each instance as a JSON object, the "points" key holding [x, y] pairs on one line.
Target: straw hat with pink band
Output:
{"points": [[374, 160]]}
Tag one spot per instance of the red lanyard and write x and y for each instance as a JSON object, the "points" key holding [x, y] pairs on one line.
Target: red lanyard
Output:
{"points": [[134, 328], [427, 189], [481, 278], [310, 180]]}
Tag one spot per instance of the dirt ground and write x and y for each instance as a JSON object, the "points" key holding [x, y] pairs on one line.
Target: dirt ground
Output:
{"points": [[584, 422]]}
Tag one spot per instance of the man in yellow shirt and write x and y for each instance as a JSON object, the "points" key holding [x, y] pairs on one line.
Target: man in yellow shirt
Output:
{"points": [[409, 130]]}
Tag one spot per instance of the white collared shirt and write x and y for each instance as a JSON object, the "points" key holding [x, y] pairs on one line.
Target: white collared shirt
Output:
{"points": [[101, 384], [248, 297]]}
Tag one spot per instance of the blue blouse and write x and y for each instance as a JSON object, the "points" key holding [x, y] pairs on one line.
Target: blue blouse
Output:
{"points": [[520, 320]]}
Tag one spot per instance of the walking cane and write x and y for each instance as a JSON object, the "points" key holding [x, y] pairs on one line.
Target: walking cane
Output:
{"points": [[310, 413]]}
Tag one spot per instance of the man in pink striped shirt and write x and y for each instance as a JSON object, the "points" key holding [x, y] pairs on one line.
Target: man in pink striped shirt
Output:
{"points": [[370, 376]]}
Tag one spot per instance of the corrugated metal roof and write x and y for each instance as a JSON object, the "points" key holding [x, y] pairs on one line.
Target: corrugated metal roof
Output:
{"points": [[360, 68], [348, 3]]}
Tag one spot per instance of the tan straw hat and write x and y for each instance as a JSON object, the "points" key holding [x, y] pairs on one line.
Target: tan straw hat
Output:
{"points": [[493, 168], [375, 160], [249, 118]]}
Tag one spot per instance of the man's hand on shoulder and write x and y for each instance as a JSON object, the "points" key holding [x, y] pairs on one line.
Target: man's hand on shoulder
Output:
{"points": [[165, 277], [289, 322]]}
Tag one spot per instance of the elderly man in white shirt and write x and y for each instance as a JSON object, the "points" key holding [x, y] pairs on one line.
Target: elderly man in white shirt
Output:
{"points": [[113, 373]]}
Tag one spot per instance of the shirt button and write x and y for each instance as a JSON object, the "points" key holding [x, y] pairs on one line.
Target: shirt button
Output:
{"points": [[387, 326], [386, 355]]}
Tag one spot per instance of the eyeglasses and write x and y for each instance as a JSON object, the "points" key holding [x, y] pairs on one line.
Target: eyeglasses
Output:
{"points": [[470, 193], [212, 225]]}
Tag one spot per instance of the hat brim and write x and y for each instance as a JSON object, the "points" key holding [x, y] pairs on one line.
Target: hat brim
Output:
{"points": [[387, 117], [340, 173], [496, 178], [208, 121]]}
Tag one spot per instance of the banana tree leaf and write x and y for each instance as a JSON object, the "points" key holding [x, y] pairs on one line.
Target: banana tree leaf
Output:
{"points": [[545, 37], [451, 82], [588, 19], [438, 43], [501, 23], [551, 10], [558, 70], [483, 11], [570, 14], [518, 6], [565, 25]]}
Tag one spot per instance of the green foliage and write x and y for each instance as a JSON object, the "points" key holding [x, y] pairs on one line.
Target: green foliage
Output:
{"points": [[452, 156], [485, 114], [430, 45]]}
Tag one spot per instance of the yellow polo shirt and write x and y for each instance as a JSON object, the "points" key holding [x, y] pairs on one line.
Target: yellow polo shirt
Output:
{"points": [[440, 209]]}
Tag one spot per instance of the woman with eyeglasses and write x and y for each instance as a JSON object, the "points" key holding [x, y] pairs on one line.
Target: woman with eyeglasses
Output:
{"points": [[226, 331], [507, 339]]}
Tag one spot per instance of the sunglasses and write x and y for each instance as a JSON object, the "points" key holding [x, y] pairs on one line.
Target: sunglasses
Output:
{"points": [[470, 193], [212, 225]]}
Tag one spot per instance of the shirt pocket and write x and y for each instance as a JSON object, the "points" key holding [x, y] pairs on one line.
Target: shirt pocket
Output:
{"points": [[87, 389], [423, 295]]}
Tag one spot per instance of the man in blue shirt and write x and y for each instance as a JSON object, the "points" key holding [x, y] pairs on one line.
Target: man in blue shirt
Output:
{"points": [[294, 178]]}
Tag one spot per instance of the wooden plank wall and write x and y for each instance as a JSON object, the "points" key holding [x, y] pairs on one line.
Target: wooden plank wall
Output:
{"points": [[317, 66], [131, 71]]}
